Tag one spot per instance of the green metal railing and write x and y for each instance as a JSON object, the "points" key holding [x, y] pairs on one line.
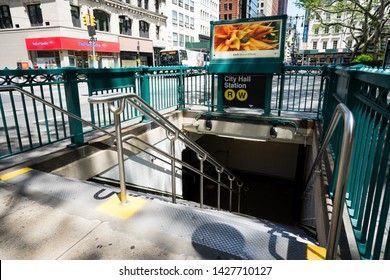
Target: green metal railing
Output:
{"points": [[298, 89], [27, 125], [366, 92]]}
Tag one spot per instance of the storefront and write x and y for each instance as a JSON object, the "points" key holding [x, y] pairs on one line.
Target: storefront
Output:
{"points": [[51, 52], [135, 51]]}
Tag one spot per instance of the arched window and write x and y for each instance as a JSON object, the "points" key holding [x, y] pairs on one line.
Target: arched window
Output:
{"points": [[125, 25], [102, 20], [143, 29], [5, 17]]}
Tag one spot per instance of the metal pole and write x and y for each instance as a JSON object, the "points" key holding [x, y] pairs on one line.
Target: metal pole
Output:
{"points": [[202, 159], [173, 137], [219, 171], [231, 179], [119, 147]]}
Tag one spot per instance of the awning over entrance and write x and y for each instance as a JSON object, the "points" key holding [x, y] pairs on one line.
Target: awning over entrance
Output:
{"points": [[65, 43]]}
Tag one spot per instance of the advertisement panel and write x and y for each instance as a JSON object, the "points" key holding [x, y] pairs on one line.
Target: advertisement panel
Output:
{"points": [[238, 46]]}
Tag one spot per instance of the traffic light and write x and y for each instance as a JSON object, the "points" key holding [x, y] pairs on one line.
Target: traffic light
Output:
{"points": [[92, 20], [86, 20]]}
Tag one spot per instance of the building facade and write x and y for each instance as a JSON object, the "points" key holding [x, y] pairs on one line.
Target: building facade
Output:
{"points": [[189, 21], [236, 9], [52, 34], [327, 45]]}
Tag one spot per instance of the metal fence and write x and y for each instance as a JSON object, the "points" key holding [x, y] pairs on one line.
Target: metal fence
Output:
{"points": [[26, 125], [367, 93]]}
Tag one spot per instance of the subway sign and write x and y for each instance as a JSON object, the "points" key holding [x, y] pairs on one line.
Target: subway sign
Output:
{"points": [[245, 91]]}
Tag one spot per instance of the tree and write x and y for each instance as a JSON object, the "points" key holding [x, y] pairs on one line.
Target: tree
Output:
{"points": [[365, 20]]}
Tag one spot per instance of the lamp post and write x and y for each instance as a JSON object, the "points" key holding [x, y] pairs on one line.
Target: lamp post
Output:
{"points": [[138, 58], [295, 37]]}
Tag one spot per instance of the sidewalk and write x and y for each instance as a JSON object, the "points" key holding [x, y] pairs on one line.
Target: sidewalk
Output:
{"points": [[45, 216]]}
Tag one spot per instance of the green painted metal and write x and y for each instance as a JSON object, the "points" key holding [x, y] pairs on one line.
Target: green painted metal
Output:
{"points": [[365, 91], [73, 106]]}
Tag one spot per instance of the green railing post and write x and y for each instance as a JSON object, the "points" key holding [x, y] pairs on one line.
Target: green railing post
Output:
{"points": [[145, 88], [281, 91], [73, 106], [220, 94], [268, 95], [180, 88]]}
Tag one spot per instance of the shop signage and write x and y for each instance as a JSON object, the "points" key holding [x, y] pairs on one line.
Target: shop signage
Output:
{"points": [[65, 43], [246, 91]]}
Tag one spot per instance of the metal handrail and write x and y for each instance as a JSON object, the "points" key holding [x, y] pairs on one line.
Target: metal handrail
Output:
{"points": [[341, 111], [117, 111], [173, 133]]}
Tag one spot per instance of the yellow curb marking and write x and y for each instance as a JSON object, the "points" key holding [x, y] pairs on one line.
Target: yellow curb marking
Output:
{"points": [[15, 173], [314, 252], [113, 207]]}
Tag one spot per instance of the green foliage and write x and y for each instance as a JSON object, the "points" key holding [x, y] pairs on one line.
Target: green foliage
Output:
{"points": [[363, 58]]}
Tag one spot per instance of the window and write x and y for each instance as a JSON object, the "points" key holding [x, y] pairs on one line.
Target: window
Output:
{"points": [[338, 15], [125, 25], [102, 20], [140, 3], [181, 19], [335, 43], [174, 17], [326, 30], [158, 32], [35, 15], [181, 40], [187, 38], [225, 7], [230, 16], [186, 4], [349, 44], [175, 39], [75, 12], [328, 16], [187, 21], [337, 29], [174, 2], [225, 16], [157, 6], [314, 45], [146, 4], [191, 5], [143, 29], [230, 6], [5, 17], [180, 3], [324, 45], [191, 22]]}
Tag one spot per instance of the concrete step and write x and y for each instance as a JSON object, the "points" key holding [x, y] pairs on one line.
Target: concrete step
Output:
{"points": [[46, 216]]}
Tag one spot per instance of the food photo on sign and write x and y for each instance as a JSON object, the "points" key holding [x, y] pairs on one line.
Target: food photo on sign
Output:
{"points": [[247, 40]]}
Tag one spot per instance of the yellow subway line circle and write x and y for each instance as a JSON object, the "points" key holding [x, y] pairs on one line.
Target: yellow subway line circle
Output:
{"points": [[15, 173]]}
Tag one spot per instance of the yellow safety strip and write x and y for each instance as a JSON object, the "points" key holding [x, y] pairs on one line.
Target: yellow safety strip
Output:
{"points": [[113, 207], [15, 173], [314, 252]]}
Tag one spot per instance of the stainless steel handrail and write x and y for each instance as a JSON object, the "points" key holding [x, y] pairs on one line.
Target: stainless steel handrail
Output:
{"points": [[117, 111], [341, 111], [163, 153], [173, 133], [157, 117]]}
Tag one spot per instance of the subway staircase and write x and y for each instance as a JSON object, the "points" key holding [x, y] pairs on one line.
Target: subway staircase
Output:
{"points": [[47, 216]]}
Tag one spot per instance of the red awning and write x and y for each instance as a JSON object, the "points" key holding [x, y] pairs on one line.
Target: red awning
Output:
{"points": [[65, 43]]}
